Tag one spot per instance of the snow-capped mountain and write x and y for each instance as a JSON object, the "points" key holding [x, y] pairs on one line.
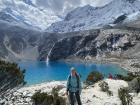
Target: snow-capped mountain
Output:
{"points": [[25, 12], [88, 17], [132, 20]]}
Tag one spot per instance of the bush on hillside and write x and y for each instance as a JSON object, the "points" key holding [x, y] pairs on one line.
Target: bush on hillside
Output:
{"points": [[133, 80], [45, 99], [134, 85], [40, 98], [94, 77], [138, 85], [105, 88], [135, 65], [10, 75], [130, 76], [125, 97]]}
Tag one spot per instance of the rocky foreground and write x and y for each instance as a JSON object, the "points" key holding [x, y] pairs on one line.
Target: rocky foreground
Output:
{"points": [[91, 95]]}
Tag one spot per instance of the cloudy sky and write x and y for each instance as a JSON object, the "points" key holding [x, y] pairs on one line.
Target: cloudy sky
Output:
{"points": [[60, 7], [63, 6]]}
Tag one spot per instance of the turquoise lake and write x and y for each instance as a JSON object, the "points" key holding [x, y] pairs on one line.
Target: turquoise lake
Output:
{"points": [[38, 71]]}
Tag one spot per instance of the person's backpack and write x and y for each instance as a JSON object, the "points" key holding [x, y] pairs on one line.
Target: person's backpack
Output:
{"points": [[77, 78]]}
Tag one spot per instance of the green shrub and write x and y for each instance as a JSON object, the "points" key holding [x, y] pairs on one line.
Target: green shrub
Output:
{"points": [[105, 88], [138, 85], [45, 99], [94, 77], [134, 85], [136, 65], [11, 74], [125, 97], [130, 76], [42, 98]]}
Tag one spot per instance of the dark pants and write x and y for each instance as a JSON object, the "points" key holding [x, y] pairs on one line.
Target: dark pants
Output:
{"points": [[77, 95]]}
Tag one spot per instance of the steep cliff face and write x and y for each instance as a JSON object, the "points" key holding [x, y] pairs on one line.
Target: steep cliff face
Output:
{"points": [[73, 46], [46, 44], [18, 43], [50, 40], [111, 42]]}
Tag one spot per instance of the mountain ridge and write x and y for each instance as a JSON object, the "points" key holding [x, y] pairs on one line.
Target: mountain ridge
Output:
{"points": [[89, 17], [27, 13]]}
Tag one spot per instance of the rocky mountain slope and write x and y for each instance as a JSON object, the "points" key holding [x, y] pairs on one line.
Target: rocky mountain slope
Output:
{"points": [[23, 43], [88, 17], [132, 20], [108, 42], [18, 43], [25, 12]]}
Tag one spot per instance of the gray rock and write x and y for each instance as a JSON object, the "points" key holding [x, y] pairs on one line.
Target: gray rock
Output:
{"points": [[110, 40], [76, 45]]}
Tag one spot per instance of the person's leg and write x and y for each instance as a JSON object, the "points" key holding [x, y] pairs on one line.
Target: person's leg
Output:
{"points": [[71, 95], [78, 98]]}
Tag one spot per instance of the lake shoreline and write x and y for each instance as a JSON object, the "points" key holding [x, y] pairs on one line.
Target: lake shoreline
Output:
{"points": [[123, 63], [38, 72]]}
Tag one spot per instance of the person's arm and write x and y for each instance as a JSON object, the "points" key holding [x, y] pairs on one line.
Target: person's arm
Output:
{"points": [[67, 87], [80, 85]]}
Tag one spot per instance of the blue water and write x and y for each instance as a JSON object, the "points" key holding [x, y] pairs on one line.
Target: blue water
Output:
{"points": [[38, 72]]}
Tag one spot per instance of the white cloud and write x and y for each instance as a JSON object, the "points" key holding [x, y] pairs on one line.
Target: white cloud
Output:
{"points": [[61, 7]]}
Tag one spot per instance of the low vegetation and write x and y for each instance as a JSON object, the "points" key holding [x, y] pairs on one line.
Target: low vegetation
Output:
{"points": [[135, 65], [138, 85], [48, 99], [10, 76], [129, 77], [134, 85], [125, 97], [133, 80], [105, 88], [94, 77]]}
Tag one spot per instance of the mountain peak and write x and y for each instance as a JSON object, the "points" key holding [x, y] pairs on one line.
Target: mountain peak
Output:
{"points": [[88, 17], [79, 12], [26, 12]]}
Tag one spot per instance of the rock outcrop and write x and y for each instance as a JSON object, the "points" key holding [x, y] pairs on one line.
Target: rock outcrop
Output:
{"points": [[112, 42], [50, 40], [18, 43], [73, 46]]}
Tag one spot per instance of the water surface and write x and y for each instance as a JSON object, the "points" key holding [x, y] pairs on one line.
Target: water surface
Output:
{"points": [[38, 71]]}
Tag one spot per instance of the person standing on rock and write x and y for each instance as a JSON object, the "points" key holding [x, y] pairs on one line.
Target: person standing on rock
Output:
{"points": [[74, 87]]}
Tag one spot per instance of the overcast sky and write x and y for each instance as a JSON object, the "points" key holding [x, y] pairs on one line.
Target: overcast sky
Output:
{"points": [[63, 6]]}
